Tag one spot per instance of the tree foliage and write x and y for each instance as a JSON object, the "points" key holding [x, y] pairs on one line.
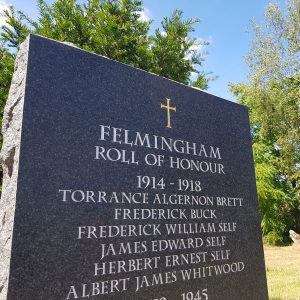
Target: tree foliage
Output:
{"points": [[273, 98], [172, 48], [113, 28]]}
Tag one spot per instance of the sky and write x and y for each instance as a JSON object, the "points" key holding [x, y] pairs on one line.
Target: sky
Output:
{"points": [[224, 24]]}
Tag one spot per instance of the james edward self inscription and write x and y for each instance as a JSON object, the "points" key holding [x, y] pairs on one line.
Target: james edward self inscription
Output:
{"points": [[131, 187]]}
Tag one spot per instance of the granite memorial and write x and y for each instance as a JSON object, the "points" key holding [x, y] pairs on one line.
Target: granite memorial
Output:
{"points": [[120, 184]]}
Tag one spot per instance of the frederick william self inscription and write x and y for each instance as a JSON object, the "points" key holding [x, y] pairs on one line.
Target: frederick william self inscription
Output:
{"points": [[131, 186]]}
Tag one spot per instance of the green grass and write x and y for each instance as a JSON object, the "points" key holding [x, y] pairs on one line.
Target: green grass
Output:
{"points": [[283, 272]]}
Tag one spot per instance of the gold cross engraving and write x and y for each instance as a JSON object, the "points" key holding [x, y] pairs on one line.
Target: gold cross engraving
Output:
{"points": [[169, 108]]}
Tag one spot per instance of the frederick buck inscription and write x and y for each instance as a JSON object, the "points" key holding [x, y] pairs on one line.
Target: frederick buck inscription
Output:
{"points": [[124, 193]]}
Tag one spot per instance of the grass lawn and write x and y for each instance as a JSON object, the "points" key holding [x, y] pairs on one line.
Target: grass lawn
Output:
{"points": [[283, 272]]}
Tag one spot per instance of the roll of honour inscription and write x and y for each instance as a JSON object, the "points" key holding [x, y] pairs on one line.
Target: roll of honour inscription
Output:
{"points": [[184, 231]]}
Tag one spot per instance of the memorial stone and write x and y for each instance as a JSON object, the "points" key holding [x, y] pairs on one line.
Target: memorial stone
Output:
{"points": [[120, 184]]}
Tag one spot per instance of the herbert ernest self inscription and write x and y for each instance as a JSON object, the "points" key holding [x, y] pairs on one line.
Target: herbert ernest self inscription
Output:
{"points": [[130, 186]]}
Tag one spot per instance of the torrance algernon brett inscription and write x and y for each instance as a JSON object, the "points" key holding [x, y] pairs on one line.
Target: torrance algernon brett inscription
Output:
{"points": [[113, 204]]}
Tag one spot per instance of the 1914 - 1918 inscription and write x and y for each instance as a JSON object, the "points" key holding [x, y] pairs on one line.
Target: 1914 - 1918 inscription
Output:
{"points": [[131, 186]]}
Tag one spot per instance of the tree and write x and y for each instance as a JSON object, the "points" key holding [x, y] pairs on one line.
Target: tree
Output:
{"points": [[273, 98], [172, 49], [113, 28], [110, 28]]}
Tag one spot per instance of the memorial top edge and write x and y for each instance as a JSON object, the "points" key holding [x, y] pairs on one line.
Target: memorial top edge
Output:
{"points": [[32, 38]]}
